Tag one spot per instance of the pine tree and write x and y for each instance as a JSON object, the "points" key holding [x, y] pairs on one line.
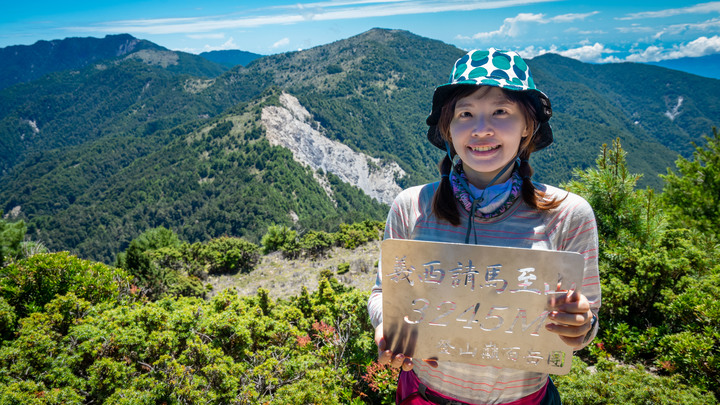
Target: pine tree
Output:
{"points": [[694, 192]]}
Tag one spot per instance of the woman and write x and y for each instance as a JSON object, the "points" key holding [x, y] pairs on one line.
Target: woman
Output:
{"points": [[491, 118]]}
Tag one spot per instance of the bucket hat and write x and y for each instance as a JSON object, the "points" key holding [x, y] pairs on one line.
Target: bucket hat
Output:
{"points": [[497, 68]]}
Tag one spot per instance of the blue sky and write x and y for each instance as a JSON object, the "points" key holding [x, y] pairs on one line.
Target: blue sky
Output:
{"points": [[591, 31]]}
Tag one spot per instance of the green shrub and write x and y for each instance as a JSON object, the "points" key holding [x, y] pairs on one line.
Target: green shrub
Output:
{"points": [[135, 258], [31, 283], [7, 319], [227, 255], [31, 393], [693, 194], [612, 384], [164, 265], [333, 69], [343, 268], [692, 346], [281, 238], [316, 243], [382, 380], [657, 279], [359, 233], [11, 236]]}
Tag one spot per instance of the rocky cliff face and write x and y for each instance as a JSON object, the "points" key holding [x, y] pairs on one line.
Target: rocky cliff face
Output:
{"points": [[291, 126]]}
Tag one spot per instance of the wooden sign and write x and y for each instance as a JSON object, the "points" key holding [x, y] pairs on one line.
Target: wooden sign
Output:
{"points": [[476, 304]]}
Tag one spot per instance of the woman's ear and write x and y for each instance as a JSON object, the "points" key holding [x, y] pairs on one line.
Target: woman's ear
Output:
{"points": [[526, 131], [530, 128]]}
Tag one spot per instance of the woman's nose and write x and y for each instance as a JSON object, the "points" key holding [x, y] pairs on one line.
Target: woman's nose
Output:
{"points": [[481, 126]]}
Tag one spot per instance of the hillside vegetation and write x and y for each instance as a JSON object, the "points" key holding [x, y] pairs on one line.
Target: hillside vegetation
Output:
{"points": [[91, 157], [25, 63], [74, 331], [220, 179]]}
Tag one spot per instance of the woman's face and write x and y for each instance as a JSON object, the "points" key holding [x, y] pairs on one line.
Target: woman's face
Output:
{"points": [[486, 131]]}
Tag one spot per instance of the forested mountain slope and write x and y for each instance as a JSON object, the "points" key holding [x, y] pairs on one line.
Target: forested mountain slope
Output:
{"points": [[221, 178], [230, 57], [25, 63], [660, 105], [92, 157]]}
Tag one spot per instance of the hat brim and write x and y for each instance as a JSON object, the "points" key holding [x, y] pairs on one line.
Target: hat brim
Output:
{"points": [[543, 112]]}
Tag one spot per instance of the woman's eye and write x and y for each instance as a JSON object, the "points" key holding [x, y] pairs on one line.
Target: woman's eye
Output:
{"points": [[500, 112], [465, 114]]}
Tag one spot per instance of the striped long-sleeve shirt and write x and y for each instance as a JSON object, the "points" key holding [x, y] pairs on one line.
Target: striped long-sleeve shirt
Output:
{"points": [[569, 227]]}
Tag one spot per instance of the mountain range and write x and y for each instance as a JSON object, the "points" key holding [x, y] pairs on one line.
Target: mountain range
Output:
{"points": [[707, 66], [22, 63], [127, 135], [230, 57]]}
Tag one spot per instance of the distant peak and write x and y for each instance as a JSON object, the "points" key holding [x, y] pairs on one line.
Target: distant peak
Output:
{"points": [[120, 36], [382, 32]]}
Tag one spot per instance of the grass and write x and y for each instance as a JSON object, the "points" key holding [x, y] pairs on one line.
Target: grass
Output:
{"points": [[286, 277]]}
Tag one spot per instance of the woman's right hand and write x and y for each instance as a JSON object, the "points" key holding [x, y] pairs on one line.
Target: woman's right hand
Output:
{"points": [[388, 357], [395, 360]]}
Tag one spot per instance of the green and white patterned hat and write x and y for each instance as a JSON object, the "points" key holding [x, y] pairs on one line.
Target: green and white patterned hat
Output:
{"points": [[504, 69]]}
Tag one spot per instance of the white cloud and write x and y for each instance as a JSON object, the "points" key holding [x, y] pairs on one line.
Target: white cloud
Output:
{"points": [[572, 17], [635, 28], [594, 53], [179, 26], [229, 44], [588, 53], [531, 51], [703, 8], [599, 53], [206, 36], [337, 3], [511, 27], [596, 32], [320, 11], [699, 47], [578, 31], [408, 7], [282, 42], [709, 25], [514, 27]]}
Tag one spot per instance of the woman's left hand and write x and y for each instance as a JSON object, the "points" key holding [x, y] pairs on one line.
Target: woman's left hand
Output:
{"points": [[571, 319]]}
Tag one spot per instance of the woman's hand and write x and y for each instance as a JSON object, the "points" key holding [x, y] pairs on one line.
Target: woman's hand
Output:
{"points": [[571, 319], [395, 360], [388, 357]]}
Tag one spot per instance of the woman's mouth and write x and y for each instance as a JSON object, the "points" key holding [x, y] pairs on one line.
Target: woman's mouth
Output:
{"points": [[483, 148]]}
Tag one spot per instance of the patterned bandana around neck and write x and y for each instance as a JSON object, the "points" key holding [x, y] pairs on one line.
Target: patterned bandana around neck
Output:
{"points": [[493, 205]]}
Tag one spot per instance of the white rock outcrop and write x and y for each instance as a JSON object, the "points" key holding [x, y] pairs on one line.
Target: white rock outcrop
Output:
{"points": [[675, 111], [291, 126]]}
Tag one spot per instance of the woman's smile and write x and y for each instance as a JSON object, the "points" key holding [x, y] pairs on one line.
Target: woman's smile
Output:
{"points": [[486, 131], [484, 148]]}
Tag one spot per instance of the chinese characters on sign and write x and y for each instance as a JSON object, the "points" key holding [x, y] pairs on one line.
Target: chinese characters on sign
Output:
{"points": [[476, 304]]}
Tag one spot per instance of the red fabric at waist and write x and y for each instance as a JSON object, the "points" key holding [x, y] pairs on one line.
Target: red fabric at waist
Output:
{"points": [[409, 383]]}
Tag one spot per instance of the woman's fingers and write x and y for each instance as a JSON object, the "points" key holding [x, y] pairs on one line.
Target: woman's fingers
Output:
{"points": [[569, 330], [407, 364], [387, 356], [397, 360], [572, 321], [571, 318]]}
